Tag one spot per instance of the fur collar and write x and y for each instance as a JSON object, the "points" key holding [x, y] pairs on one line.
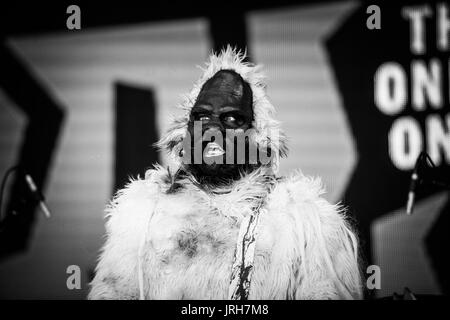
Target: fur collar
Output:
{"points": [[236, 199]]}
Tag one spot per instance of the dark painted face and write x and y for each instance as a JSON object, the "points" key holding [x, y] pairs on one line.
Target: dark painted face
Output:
{"points": [[225, 102]]}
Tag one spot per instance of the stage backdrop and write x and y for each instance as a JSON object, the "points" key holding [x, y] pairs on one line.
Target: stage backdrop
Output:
{"points": [[119, 85]]}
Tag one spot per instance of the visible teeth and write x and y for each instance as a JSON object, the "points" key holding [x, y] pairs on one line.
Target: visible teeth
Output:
{"points": [[213, 150]]}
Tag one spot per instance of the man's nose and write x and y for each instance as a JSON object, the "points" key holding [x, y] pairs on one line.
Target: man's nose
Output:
{"points": [[213, 124], [211, 131]]}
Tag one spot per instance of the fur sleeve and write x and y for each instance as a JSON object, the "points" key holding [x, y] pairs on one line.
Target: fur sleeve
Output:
{"points": [[326, 254], [127, 219]]}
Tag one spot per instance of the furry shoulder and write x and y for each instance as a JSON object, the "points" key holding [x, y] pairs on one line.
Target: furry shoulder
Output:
{"points": [[133, 203], [300, 188], [326, 242]]}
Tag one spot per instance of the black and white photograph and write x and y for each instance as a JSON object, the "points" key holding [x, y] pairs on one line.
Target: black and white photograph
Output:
{"points": [[251, 151]]}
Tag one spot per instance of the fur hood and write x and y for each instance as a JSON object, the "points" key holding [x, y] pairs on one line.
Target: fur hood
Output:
{"points": [[268, 133]]}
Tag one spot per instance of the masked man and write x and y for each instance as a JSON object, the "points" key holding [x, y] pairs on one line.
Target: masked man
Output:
{"points": [[222, 224]]}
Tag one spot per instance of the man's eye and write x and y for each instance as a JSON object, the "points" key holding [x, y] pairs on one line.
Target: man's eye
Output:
{"points": [[230, 119], [233, 120]]}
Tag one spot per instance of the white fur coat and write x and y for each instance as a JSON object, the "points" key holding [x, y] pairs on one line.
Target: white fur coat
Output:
{"points": [[180, 245], [185, 242]]}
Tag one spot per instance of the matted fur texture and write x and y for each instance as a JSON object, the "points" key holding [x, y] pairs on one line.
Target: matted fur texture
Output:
{"points": [[166, 244], [305, 248]]}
